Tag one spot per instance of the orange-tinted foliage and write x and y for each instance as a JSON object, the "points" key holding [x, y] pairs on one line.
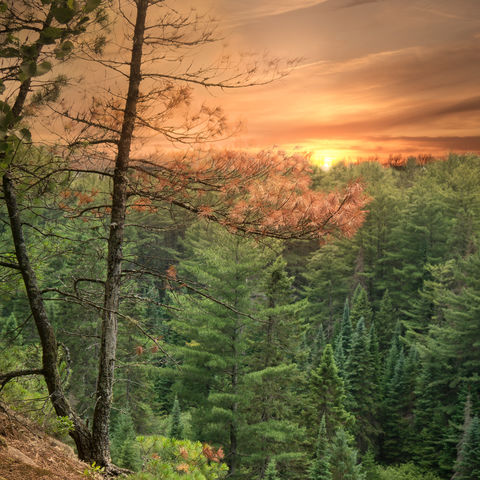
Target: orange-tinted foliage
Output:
{"points": [[267, 194], [211, 455]]}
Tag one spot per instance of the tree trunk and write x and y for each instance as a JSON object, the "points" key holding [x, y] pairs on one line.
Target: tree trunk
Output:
{"points": [[108, 345], [80, 433]]}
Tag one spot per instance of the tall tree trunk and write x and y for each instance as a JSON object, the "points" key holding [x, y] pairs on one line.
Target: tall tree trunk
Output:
{"points": [[80, 433], [108, 345]]}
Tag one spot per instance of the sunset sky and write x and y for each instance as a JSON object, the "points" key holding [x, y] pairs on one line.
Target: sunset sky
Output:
{"points": [[377, 77]]}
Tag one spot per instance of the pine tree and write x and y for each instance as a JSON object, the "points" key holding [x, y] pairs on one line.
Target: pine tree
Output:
{"points": [[343, 460], [176, 427], [320, 468], [241, 341]]}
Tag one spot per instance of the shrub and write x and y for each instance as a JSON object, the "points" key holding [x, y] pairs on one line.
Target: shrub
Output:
{"points": [[171, 459]]}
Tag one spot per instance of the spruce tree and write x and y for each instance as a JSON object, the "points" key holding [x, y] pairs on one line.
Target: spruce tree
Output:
{"points": [[327, 396], [320, 468], [176, 427]]}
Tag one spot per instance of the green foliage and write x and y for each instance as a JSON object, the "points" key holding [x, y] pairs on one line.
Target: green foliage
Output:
{"points": [[271, 471], [468, 466], [320, 468], [343, 459], [93, 471], [407, 471], [327, 396], [171, 459], [123, 445], [176, 427]]}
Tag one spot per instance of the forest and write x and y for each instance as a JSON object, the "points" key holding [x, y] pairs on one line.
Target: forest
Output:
{"points": [[207, 313], [296, 359]]}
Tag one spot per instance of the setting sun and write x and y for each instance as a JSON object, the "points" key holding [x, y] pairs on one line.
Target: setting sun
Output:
{"points": [[324, 159]]}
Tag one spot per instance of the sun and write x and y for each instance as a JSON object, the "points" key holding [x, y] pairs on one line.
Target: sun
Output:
{"points": [[323, 160]]}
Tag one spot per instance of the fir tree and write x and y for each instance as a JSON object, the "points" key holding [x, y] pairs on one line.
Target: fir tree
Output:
{"points": [[176, 427], [320, 468]]}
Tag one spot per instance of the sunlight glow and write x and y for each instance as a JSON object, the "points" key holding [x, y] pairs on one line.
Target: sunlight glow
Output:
{"points": [[323, 159]]}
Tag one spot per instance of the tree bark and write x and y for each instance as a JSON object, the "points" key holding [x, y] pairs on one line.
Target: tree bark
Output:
{"points": [[108, 345], [80, 432]]}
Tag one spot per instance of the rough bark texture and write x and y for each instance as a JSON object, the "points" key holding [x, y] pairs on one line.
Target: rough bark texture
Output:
{"points": [[80, 434], [108, 343]]}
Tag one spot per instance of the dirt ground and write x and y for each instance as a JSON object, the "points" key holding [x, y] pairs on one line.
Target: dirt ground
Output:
{"points": [[27, 453]]}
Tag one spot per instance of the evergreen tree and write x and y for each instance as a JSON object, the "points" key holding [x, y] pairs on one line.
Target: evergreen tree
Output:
{"points": [[361, 307], [9, 330], [320, 468], [468, 468], [343, 459], [339, 355], [346, 331], [327, 283], [123, 444], [176, 427], [361, 388], [271, 471], [385, 322], [370, 468], [327, 396]]}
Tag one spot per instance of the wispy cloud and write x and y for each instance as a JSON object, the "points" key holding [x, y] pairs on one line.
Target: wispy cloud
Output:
{"points": [[356, 3], [250, 11]]}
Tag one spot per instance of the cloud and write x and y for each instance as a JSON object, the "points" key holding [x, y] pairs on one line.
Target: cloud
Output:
{"points": [[250, 11], [356, 3]]}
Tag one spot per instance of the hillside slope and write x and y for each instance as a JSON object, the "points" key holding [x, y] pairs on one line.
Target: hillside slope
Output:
{"points": [[27, 453]]}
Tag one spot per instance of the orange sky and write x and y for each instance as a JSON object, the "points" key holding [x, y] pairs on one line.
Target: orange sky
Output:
{"points": [[377, 77]]}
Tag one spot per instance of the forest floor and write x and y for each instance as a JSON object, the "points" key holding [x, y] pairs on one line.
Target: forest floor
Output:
{"points": [[27, 453]]}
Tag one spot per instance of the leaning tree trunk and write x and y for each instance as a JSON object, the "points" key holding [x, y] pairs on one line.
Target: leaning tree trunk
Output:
{"points": [[80, 433], [108, 344]]}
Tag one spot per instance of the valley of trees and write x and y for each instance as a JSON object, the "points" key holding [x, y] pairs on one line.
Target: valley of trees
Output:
{"points": [[212, 314], [357, 358]]}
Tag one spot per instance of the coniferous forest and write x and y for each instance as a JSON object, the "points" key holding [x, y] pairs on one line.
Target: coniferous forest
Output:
{"points": [[351, 358]]}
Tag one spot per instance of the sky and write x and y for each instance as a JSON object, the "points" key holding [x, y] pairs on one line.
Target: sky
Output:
{"points": [[375, 77]]}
